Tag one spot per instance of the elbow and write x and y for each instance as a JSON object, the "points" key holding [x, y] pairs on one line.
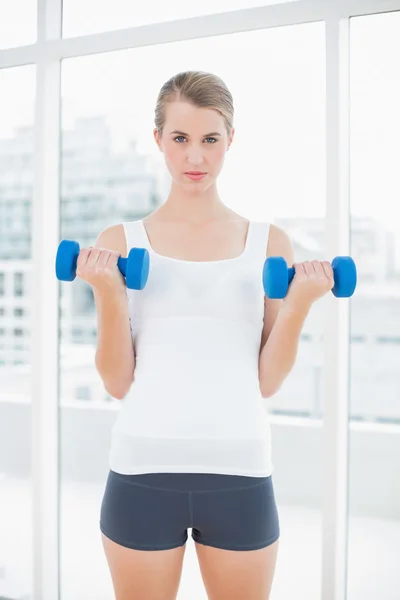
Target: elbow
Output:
{"points": [[271, 384], [119, 392], [268, 393], [116, 387], [118, 395], [267, 390]]}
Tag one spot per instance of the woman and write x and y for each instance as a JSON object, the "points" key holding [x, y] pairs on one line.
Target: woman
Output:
{"points": [[193, 357]]}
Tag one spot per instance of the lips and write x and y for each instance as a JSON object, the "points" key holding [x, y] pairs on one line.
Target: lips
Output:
{"points": [[195, 175]]}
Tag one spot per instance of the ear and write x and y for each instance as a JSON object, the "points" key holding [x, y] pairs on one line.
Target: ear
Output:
{"points": [[157, 139], [231, 139]]}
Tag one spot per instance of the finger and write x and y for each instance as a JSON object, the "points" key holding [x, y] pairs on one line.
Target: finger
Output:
{"points": [[112, 258], [326, 265], [309, 269], [93, 257], [106, 260], [299, 268], [103, 259], [318, 268], [82, 259]]}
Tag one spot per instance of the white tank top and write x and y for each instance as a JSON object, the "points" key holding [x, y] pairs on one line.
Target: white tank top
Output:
{"points": [[195, 405]]}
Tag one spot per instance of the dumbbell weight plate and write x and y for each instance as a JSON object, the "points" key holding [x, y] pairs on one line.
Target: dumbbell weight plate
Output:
{"points": [[66, 259], [345, 271], [135, 268], [275, 277]]}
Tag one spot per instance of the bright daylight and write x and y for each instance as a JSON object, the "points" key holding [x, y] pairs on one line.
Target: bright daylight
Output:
{"points": [[199, 300]]}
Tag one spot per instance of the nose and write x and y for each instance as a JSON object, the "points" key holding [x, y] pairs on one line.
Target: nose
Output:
{"points": [[195, 156]]}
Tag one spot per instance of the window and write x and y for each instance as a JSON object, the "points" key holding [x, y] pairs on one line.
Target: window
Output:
{"points": [[83, 393], [84, 16], [18, 284], [17, 112], [374, 497], [17, 23], [280, 124]]}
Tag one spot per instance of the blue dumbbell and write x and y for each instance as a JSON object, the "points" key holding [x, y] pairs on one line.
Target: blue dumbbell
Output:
{"points": [[277, 277], [135, 268]]}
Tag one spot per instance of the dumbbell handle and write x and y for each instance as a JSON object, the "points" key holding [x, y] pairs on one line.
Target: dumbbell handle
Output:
{"points": [[121, 263], [291, 272]]}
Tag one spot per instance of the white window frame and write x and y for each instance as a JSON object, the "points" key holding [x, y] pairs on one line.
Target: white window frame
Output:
{"points": [[47, 54]]}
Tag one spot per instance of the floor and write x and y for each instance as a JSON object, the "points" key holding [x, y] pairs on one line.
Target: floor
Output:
{"points": [[373, 565]]}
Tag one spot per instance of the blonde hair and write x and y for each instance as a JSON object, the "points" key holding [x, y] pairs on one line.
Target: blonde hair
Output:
{"points": [[202, 89]]}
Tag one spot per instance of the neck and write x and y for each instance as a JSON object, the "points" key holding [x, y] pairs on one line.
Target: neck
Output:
{"points": [[193, 207]]}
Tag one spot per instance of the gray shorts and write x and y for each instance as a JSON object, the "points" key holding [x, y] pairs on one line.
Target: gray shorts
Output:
{"points": [[153, 511]]}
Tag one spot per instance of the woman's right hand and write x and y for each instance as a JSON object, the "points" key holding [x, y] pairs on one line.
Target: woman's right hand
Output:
{"points": [[98, 267]]}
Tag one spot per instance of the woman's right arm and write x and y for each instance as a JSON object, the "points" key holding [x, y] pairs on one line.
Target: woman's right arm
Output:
{"points": [[115, 359]]}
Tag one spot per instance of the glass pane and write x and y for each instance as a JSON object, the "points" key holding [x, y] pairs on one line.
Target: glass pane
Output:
{"points": [[88, 16], [16, 183], [112, 170], [374, 502], [18, 25]]}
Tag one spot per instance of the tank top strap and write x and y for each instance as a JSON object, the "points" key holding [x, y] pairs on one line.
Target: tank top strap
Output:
{"points": [[134, 235], [258, 240]]}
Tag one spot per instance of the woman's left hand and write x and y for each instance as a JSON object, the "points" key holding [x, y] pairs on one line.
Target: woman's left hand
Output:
{"points": [[312, 280]]}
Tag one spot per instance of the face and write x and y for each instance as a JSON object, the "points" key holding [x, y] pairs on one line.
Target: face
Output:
{"points": [[193, 140]]}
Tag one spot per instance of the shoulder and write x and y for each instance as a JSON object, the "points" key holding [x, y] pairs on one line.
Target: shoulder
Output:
{"points": [[280, 244], [112, 238]]}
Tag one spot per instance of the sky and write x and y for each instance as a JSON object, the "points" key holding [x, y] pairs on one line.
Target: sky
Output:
{"points": [[277, 78]]}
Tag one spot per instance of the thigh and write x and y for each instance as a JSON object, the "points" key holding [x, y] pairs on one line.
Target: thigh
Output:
{"points": [[144, 530], [235, 574], [151, 575], [237, 535]]}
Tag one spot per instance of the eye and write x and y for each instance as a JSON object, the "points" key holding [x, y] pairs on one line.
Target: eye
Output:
{"points": [[183, 137]]}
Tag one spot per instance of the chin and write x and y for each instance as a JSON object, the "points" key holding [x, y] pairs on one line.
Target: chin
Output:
{"points": [[187, 183]]}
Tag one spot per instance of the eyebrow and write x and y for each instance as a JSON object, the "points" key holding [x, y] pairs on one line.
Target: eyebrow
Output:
{"points": [[187, 135]]}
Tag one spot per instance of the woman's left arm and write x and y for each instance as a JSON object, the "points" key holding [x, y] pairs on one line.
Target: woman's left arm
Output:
{"points": [[284, 319]]}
